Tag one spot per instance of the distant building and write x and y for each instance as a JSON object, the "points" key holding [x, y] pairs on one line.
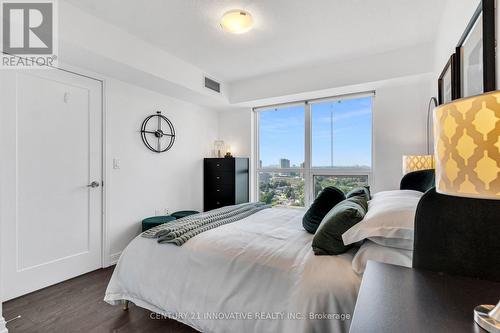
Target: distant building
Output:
{"points": [[260, 164], [284, 163]]}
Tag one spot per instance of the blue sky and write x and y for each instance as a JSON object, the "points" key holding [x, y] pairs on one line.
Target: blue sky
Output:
{"points": [[282, 134]]}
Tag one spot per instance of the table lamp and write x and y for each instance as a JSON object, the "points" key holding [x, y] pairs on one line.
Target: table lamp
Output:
{"points": [[467, 153], [417, 162], [219, 148]]}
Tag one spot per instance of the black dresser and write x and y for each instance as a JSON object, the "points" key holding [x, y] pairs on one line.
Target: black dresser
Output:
{"points": [[225, 182]]}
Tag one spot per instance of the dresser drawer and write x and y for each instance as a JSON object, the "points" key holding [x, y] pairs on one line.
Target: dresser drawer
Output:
{"points": [[218, 178], [216, 165], [222, 192], [213, 204]]}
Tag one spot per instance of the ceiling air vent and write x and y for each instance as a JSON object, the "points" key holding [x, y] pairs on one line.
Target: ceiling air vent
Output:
{"points": [[212, 85]]}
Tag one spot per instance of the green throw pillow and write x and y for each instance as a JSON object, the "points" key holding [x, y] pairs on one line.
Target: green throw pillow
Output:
{"points": [[328, 237], [326, 200], [362, 190]]}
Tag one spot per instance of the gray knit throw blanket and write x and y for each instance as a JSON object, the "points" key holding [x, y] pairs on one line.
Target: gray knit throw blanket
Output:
{"points": [[180, 231]]}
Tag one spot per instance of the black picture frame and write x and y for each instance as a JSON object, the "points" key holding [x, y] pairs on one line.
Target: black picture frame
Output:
{"points": [[449, 73], [486, 11]]}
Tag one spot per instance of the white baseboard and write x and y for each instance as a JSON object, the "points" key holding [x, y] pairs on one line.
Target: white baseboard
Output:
{"points": [[3, 328], [113, 259]]}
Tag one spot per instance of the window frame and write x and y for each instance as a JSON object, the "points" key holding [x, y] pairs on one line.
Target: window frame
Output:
{"points": [[308, 171]]}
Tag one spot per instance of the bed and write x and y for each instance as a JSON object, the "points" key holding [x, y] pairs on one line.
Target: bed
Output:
{"points": [[258, 274]]}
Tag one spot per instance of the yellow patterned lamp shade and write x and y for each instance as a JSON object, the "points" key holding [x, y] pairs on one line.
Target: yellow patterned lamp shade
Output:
{"points": [[467, 147], [417, 162]]}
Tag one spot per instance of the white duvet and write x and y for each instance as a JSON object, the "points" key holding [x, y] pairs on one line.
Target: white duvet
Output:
{"points": [[255, 275]]}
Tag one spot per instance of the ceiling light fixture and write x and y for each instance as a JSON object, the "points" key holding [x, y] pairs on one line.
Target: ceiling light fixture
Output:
{"points": [[237, 21]]}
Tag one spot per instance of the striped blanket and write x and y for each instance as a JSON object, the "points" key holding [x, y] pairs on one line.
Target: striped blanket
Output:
{"points": [[180, 231]]}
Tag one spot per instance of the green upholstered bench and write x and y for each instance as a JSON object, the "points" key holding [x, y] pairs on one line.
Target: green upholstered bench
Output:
{"points": [[183, 213], [154, 221]]}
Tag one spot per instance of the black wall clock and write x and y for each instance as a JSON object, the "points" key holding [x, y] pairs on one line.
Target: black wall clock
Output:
{"points": [[158, 133]]}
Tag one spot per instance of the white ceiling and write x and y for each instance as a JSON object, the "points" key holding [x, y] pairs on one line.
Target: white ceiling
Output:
{"points": [[287, 33]]}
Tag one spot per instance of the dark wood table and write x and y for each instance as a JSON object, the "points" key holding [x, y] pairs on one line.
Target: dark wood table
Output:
{"points": [[399, 299]]}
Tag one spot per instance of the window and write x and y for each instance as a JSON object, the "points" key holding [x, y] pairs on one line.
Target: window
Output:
{"points": [[282, 155], [342, 134], [281, 134], [305, 147]]}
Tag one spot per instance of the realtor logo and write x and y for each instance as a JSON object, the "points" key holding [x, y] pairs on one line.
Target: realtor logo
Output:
{"points": [[28, 33]]}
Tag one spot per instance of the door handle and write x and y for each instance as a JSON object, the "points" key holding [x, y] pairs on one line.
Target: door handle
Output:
{"points": [[93, 184]]}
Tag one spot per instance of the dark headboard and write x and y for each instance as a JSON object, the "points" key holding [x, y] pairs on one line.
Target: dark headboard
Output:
{"points": [[458, 236], [422, 180]]}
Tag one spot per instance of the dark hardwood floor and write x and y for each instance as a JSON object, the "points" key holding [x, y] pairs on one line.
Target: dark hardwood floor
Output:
{"points": [[77, 305]]}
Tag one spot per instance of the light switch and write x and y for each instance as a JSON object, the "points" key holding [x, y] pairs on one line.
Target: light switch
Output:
{"points": [[116, 163]]}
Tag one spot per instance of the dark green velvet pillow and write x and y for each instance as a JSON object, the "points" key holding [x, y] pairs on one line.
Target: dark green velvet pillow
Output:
{"points": [[362, 190], [326, 200], [328, 238]]}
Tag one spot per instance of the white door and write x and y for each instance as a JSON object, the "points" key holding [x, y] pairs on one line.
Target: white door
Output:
{"points": [[50, 150]]}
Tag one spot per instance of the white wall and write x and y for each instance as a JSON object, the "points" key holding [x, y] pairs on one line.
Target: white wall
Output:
{"points": [[235, 129], [399, 124], [148, 181], [399, 127], [397, 63]]}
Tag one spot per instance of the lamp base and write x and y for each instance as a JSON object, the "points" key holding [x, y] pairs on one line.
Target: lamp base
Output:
{"points": [[483, 319]]}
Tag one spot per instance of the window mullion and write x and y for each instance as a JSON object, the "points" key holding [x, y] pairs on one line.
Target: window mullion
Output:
{"points": [[256, 164], [308, 185]]}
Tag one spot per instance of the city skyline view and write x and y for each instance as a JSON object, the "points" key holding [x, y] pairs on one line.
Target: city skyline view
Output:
{"points": [[284, 163]]}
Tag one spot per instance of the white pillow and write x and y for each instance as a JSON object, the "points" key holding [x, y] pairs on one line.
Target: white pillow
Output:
{"points": [[390, 216], [398, 243], [389, 255], [397, 193]]}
